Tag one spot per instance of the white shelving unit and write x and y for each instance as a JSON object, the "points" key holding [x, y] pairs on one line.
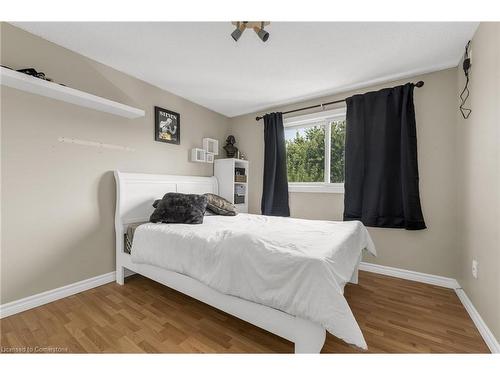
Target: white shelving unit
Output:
{"points": [[224, 171], [38, 86]]}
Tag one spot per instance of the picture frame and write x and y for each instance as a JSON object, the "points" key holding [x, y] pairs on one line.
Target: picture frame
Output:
{"points": [[167, 126]]}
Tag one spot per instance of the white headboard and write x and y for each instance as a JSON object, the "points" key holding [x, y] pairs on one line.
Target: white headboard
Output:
{"points": [[136, 192]]}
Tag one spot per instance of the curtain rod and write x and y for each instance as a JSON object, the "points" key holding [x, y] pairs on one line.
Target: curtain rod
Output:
{"points": [[418, 84]]}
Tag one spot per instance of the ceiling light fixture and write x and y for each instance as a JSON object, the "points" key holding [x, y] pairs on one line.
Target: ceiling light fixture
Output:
{"points": [[258, 27], [261, 33], [240, 27]]}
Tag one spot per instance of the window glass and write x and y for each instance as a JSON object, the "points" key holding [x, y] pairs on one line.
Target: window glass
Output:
{"points": [[337, 151], [305, 147]]}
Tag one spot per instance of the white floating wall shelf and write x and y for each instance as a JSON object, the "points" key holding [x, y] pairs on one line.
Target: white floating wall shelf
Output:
{"points": [[198, 155], [211, 145], [209, 157], [27, 83]]}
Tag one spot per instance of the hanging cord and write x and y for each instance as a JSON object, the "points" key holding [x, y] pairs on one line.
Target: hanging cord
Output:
{"points": [[464, 95]]}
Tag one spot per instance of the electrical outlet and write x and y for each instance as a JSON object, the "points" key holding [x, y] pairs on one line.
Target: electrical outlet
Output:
{"points": [[474, 268]]}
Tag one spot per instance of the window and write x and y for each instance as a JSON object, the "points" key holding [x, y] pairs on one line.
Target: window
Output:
{"points": [[315, 152]]}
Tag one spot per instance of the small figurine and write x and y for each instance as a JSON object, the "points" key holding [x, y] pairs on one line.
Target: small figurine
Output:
{"points": [[231, 149]]}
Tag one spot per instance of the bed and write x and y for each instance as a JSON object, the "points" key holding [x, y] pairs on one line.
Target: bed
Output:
{"points": [[284, 275]]}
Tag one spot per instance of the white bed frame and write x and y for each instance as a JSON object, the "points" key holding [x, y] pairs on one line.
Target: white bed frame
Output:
{"points": [[135, 193]]}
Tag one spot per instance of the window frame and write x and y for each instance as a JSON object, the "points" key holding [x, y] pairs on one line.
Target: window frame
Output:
{"points": [[318, 118]]}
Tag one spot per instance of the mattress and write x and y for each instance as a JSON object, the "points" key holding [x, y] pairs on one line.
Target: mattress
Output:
{"points": [[293, 265]]}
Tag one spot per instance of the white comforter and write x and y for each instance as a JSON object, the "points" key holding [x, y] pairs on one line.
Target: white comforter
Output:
{"points": [[297, 266]]}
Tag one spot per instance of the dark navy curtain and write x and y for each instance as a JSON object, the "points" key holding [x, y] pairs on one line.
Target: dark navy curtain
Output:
{"points": [[275, 188], [381, 169]]}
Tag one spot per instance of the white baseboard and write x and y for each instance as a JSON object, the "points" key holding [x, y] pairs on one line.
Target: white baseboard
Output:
{"points": [[36, 300], [483, 329], [426, 278]]}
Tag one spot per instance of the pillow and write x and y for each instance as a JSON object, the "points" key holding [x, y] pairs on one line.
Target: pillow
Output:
{"points": [[219, 205], [179, 208]]}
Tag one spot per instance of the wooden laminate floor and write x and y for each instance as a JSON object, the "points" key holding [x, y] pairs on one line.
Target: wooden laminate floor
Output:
{"points": [[396, 316]]}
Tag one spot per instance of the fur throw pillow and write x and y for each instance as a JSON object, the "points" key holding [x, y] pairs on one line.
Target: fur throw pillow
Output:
{"points": [[179, 208]]}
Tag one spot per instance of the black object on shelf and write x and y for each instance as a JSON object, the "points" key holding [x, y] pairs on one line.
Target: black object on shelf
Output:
{"points": [[239, 199], [239, 171], [34, 73]]}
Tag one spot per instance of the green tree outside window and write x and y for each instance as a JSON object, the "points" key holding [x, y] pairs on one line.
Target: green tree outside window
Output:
{"points": [[306, 154]]}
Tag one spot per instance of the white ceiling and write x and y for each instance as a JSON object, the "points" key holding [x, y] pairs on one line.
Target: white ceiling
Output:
{"points": [[200, 62]]}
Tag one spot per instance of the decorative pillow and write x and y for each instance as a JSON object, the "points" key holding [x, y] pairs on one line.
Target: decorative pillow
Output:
{"points": [[179, 208], [219, 205]]}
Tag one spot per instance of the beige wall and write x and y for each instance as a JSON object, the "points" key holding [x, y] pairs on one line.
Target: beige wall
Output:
{"points": [[433, 250], [478, 181], [58, 199]]}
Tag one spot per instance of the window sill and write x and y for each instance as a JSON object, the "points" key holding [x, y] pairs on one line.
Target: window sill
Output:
{"points": [[298, 187]]}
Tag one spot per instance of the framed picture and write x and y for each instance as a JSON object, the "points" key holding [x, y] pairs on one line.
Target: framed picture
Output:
{"points": [[167, 126]]}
